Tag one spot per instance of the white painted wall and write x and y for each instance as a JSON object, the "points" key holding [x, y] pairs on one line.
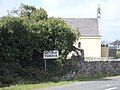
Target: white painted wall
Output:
{"points": [[91, 46]]}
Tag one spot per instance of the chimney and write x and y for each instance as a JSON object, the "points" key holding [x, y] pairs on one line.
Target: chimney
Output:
{"points": [[98, 12]]}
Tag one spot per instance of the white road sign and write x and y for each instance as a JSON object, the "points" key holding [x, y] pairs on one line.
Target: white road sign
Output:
{"points": [[51, 54]]}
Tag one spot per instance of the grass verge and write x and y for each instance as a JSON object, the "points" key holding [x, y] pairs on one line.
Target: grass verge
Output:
{"points": [[35, 86], [51, 84]]}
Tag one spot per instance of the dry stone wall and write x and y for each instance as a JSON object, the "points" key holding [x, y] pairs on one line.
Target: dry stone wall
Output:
{"points": [[80, 68]]}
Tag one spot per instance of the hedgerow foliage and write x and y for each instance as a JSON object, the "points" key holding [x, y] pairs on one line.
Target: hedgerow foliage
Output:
{"points": [[24, 35]]}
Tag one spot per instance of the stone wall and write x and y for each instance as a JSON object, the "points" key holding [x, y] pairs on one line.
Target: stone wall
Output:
{"points": [[76, 67]]}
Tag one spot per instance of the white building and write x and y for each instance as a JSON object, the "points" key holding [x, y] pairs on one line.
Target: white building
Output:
{"points": [[89, 29]]}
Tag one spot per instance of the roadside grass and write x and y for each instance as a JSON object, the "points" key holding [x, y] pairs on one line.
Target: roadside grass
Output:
{"points": [[51, 84], [45, 85], [35, 86]]}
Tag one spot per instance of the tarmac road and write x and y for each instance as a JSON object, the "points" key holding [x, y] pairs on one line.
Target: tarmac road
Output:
{"points": [[109, 83]]}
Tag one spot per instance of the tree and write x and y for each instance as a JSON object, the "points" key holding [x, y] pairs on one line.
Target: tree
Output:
{"points": [[53, 33], [24, 37]]}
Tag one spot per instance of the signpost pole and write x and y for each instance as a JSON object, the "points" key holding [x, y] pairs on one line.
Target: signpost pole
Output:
{"points": [[50, 55], [45, 65]]}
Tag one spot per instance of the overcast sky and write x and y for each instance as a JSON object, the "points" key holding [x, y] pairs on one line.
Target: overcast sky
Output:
{"points": [[110, 13]]}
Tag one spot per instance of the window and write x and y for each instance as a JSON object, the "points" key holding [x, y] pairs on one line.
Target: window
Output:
{"points": [[79, 45]]}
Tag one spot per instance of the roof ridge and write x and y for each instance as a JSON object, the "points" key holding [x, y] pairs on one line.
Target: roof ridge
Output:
{"points": [[79, 18]]}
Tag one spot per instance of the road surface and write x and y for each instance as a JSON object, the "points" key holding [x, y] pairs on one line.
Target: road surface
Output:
{"points": [[109, 83]]}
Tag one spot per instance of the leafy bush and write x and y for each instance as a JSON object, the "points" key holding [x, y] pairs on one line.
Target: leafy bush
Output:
{"points": [[23, 39]]}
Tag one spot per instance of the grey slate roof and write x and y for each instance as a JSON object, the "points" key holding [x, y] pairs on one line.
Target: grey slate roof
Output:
{"points": [[117, 42], [86, 26]]}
